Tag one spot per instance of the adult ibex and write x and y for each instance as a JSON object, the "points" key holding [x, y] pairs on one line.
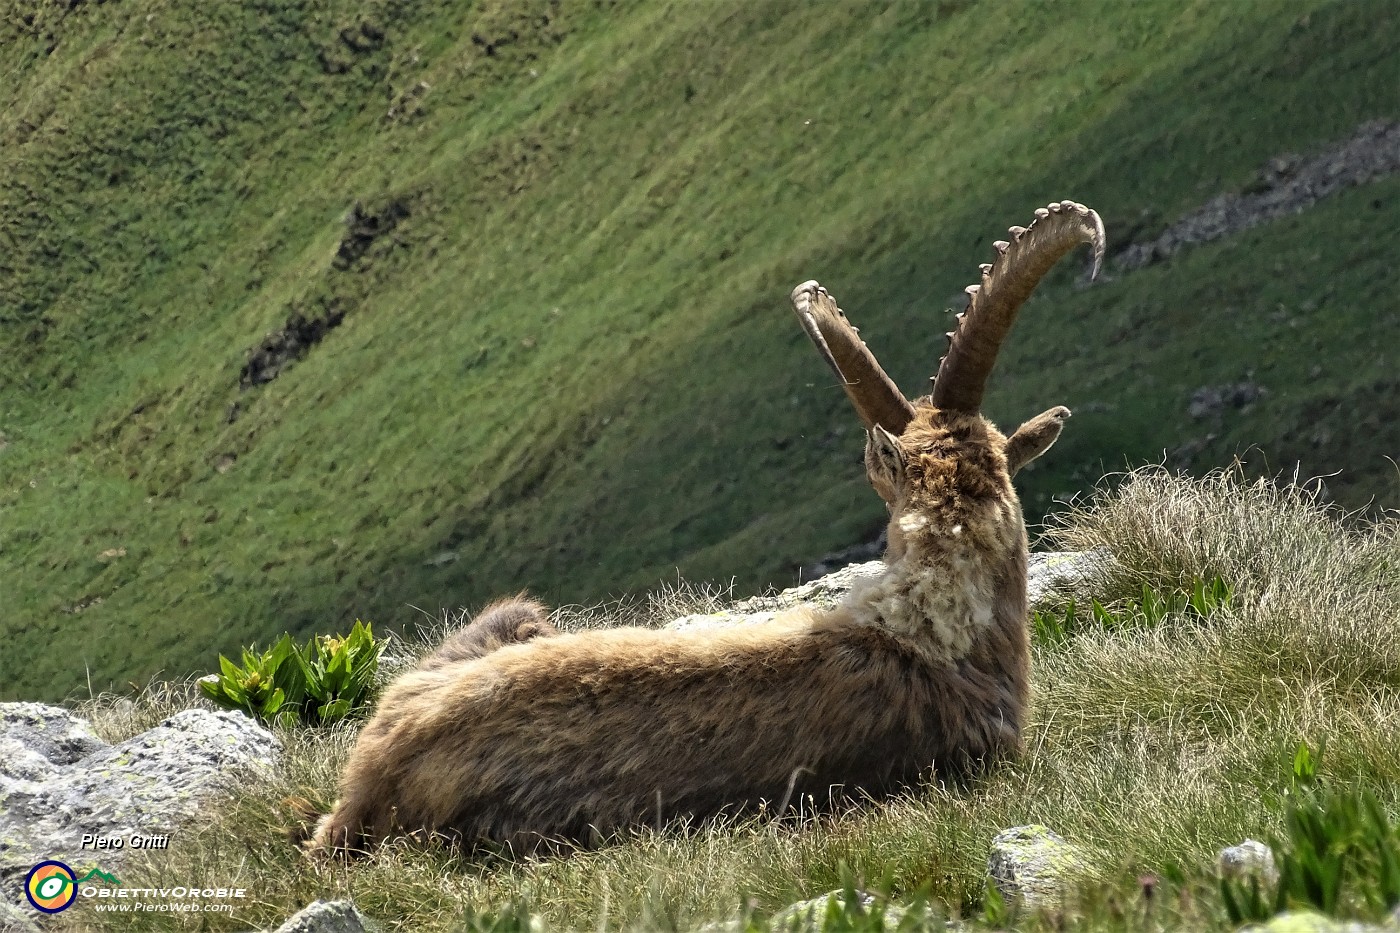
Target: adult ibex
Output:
{"points": [[575, 736]]}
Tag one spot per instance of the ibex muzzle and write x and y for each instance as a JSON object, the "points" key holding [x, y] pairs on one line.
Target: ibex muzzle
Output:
{"points": [[578, 736]]}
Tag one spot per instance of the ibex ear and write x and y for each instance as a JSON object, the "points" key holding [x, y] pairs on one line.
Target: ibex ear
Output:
{"points": [[1034, 438], [884, 462]]}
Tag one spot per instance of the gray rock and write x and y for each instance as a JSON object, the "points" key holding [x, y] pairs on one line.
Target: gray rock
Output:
{"points": [[824, 591], [1033, 866], [1210, 401], [808, 914], [721, 619], [35, 739], [1051, 572], [328, 917], [1249, 859], [1285, 186], [58, 781], [1308, 921], [1047, 573]]}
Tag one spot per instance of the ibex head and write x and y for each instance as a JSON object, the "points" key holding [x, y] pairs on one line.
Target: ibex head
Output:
{"points": [[939, 447]]}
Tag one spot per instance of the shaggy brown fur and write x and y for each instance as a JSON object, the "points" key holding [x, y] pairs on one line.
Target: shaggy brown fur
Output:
{"points": [[504, 622], [924, 667]]}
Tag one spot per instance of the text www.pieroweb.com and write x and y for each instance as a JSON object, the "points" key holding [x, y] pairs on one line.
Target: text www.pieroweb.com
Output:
{"points": [[162, 900]]}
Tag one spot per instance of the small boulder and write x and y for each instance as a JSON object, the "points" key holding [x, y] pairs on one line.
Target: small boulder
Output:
{"points": [[810, 914], [1052, 572], [1249, 859], [328, 917], [1033, 866]]}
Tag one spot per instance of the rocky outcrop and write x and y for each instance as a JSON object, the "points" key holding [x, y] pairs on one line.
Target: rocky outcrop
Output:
{"points": [[1048, 573], [823, 593], [59, 782], [1287, 185]]}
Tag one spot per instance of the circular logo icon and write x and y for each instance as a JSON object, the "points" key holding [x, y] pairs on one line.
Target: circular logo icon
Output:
{"points": [[50, 887]]}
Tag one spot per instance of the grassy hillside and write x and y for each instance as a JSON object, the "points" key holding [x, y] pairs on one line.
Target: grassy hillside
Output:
{"points": [[557, 240]]}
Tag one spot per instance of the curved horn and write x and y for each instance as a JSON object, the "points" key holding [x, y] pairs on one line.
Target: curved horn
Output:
{"points": [[876, 398], [1006, 284]]}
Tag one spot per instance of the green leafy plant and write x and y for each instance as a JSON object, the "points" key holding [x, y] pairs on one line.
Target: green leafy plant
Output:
{"points": [[1151, 607], [323, 681], [1337, 843], [1207, 597], [513, 918], [1245, 900], [1304, 769], [996, 913]]}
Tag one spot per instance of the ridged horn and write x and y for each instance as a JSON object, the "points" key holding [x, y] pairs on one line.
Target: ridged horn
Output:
{"points": [[876, 398], [991, 309]]}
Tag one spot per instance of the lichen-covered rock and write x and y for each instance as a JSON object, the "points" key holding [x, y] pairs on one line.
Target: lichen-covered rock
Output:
{"points": [[809, 914], [35, 739], [58, 782], [1047, 573], [1033, 865], [719, 619], [1308, 921], [824, 591], [328, 917], [1249, 859]]}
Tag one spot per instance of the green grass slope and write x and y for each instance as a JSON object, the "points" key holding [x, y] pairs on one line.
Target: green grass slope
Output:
{"points": [[564, 359]]}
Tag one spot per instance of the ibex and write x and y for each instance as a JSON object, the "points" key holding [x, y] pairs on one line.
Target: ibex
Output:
{"points": [[577, 736]]}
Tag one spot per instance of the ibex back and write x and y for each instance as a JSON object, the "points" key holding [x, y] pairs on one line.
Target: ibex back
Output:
{"points": [[925, 667]]}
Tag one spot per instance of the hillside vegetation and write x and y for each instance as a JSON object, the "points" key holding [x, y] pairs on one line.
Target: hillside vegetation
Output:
{"points": [[538, 254]]}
